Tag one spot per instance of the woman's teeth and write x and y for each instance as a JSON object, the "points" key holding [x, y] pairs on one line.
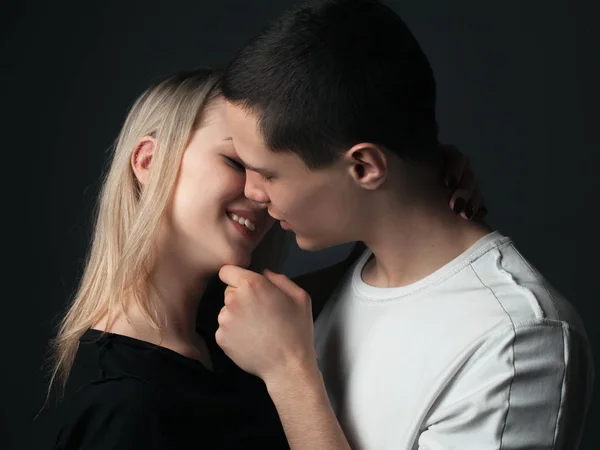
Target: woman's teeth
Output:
{"points": [[243, 221]]}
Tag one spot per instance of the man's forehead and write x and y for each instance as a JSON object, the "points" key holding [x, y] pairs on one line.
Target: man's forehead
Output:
{"points": [[244, 130], [249, 158], [239, 115], [250, 145]]}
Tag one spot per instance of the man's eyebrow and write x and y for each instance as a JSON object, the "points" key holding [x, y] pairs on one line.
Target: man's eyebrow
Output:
{"points": [[263, 172]]}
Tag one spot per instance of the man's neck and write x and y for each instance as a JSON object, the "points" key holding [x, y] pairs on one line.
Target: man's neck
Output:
{"points": [[411, 242]]}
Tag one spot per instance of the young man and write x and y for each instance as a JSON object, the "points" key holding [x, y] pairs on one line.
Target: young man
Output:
{"points": [[441, 335]]}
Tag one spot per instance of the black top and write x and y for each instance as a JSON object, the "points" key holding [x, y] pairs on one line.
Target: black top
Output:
{"points": [[124, 393]]}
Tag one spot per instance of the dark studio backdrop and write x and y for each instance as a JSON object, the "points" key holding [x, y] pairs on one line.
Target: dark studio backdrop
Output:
{"points": [[518, 93]]}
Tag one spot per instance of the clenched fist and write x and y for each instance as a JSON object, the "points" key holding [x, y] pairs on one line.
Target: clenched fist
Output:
{"points": [[266, 325]]}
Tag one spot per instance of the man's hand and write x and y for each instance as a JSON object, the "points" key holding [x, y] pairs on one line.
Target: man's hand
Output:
{"points": [[266, 325]]}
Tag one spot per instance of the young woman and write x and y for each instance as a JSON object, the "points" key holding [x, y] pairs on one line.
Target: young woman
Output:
{"points": [[136, 370], [172, 212]]}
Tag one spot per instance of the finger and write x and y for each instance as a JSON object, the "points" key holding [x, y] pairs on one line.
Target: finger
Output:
{"points": [[221, 318], [286, 285], [219, 337], [228, 295], [467, 181], [233, 275], [473, 205], [459, 199], [481, 211], [478, 203], [455, 163]]}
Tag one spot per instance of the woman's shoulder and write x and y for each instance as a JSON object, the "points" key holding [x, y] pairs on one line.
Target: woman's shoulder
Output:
{"points": [[100, 414], [118, 390], [126, 397]]}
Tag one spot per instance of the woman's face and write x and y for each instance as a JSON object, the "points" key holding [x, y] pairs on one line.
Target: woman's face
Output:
{"points": [[210, 222]]}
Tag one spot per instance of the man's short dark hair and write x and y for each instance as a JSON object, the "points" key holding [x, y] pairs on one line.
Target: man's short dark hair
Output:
{"points": [[331, 74]]}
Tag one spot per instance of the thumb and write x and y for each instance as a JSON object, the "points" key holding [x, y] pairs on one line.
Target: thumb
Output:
{"points": [[286, 285]]}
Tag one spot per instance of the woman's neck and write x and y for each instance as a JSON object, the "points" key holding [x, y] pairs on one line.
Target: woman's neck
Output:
{"points": [[176, 291]]}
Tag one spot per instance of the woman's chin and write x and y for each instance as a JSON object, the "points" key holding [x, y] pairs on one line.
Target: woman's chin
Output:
{"points": [[238, 259]]}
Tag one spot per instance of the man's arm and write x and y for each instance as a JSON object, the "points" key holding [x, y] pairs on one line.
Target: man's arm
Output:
{"points": [[308, 420], [266, 328], [527, 387], [298, 392]]}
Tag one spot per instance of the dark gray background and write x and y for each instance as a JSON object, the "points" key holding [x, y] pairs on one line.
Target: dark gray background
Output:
{"points": [[518, 93]]}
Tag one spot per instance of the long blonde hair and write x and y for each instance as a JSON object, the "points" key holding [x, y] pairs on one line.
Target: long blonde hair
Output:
{"points": [[127, 218]]}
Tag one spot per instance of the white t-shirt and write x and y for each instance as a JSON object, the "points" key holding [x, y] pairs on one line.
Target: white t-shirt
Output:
{"points": [[481, 354]]}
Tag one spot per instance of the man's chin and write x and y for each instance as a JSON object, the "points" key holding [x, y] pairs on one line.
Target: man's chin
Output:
{"points": [[310, 245], [315, 245]]}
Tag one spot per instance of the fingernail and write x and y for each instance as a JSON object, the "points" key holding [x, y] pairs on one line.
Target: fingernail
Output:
{"points": [[459, 205]]}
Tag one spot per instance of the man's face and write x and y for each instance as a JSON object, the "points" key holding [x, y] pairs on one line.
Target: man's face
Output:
{"points": [[318, 205]]}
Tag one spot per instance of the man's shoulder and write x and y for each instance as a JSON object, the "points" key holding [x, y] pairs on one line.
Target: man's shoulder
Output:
{"points": [[522, 290]]}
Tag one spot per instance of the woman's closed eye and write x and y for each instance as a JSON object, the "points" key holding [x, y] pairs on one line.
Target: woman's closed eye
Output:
{"points": [[235, 164]]}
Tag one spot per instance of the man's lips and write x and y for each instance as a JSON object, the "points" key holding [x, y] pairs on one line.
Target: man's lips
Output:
{"points": [[282, 223]]}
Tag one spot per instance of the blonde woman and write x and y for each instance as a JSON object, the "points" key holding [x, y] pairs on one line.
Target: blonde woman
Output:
{"points": [[141, 374], [171, 213]]}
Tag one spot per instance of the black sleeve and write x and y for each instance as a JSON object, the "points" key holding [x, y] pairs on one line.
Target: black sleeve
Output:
{"points": [[118, 414]]}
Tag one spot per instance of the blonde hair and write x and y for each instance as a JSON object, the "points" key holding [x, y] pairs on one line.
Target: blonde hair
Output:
{"points": [[128, 218]]}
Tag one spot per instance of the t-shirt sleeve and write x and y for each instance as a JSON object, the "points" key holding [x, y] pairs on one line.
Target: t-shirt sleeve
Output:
{"points": [[115, 414], [527, 387]]}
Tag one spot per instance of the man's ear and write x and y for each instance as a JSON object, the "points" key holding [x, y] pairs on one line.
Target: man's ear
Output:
{"points": [[141, 159], [367, 165]]}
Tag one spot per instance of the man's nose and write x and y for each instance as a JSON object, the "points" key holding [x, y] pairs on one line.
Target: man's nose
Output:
{"points": [[253, 190]]}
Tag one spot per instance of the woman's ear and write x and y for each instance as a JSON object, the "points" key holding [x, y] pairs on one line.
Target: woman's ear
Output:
{"points": [[141, 159]]}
